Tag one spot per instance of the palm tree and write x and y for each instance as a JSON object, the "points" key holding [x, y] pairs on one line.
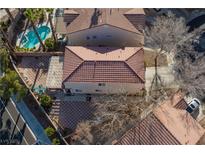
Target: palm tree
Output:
{"points": [[9, 14], [50, 12], [10, 85], [33, 15]]}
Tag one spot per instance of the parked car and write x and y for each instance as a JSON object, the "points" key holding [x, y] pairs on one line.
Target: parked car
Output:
{"points": [[193, 105]]}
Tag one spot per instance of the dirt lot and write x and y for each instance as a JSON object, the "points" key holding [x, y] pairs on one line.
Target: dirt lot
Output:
{"points": [[150, 56]]}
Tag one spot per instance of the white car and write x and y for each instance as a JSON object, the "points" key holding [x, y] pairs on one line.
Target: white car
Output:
{"points": [[193, 105]]}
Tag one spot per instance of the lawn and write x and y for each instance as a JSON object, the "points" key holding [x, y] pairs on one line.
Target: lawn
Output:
{"points": [[149, 57]]}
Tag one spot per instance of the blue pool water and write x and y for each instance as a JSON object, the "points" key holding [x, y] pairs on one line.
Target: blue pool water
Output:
{"points": [[30, 39]]}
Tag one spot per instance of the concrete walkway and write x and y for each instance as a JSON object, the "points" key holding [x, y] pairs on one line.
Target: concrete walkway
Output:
{"points": [[165, 74]]}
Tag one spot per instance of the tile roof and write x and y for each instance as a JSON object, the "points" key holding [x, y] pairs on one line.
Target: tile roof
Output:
{"points": [[88, 18], [167, 124], [149, 131], [104, 53], [100, 64]]}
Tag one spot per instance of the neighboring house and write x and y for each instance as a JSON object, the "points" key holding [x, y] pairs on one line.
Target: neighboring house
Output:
{"points": [[168, 124], [94, 70], [102, 27]]}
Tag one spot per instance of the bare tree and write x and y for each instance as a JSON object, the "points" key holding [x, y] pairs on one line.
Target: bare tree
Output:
{"points": [[115, 114], [83, 134], [189, 71], [164, 36]]}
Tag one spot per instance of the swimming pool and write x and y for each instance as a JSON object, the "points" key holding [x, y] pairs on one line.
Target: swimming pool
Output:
{"points": [[30, 40]]}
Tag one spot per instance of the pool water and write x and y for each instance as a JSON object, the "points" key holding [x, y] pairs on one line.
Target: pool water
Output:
{"points": [[30, 40]]}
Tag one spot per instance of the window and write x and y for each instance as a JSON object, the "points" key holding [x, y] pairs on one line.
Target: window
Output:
{"points": [[192, 106], [94, 37], [68, 91], [101, 84], [87, 37], [78, 90], [98, 90], [108, 36]]}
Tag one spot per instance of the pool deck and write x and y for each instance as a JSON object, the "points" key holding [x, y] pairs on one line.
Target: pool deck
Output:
{"points": [[32, 72], [49, 75], [20, 36]]}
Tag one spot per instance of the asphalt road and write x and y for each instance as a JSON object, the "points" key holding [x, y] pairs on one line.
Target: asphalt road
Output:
{"points": [[13, 129]]}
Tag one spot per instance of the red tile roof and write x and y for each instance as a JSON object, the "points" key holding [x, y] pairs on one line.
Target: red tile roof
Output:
{"points": [[87, 18], [167, 124], [149, 131], [102, 64]]}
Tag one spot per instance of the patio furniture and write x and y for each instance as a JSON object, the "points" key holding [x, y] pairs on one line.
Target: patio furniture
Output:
{"points": [[39, 89]]}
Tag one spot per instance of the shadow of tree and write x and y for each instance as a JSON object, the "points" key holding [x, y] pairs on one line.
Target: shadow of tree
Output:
{"points": [[94, 18]]}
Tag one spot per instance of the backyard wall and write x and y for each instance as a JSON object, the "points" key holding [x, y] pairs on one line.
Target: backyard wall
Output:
{"points": [[39, 54]]}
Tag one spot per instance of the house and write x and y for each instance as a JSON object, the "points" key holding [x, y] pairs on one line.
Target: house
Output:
{"points": [[101, 70], [102, 27], [168, 124]]}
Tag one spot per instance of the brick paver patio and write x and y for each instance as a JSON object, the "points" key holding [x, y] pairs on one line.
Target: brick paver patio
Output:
{"points": [[29, 67], [68, 111]]}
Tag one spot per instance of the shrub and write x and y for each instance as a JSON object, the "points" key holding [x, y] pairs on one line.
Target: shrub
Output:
{"points": [[5, 25], [46, 101], [22, 49], [49, 43], [56, 141], [50, 131]]}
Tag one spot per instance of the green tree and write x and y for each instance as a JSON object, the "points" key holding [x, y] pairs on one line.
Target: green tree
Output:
{"points": [[4, 59], [5, 40], [50, 43], [46, 101], [50, 12], [50, 131], [10, 85], [56, 141], [33, 15]]}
